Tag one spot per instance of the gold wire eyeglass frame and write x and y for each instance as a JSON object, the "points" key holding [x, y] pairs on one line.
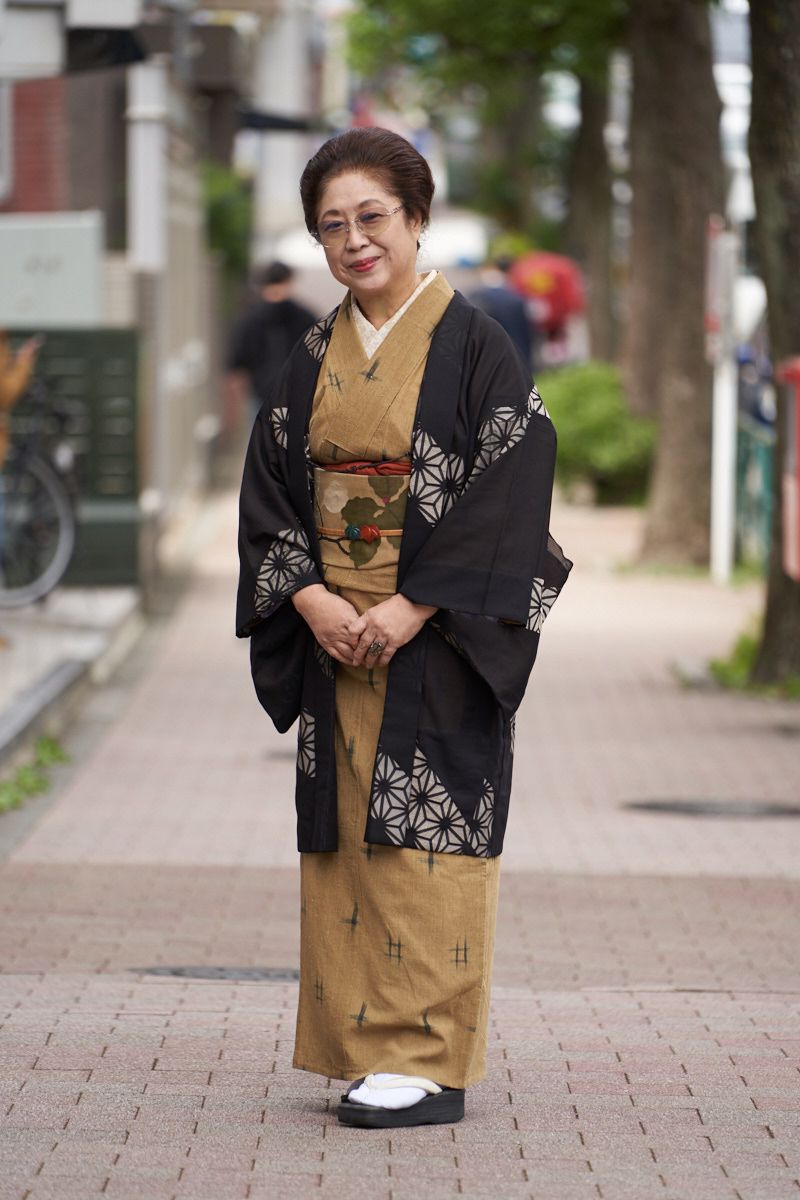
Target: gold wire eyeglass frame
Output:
{"points": [[341, 235]]}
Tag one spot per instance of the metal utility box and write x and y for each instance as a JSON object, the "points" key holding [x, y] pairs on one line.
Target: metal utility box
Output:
{"points": [[94, 374]]}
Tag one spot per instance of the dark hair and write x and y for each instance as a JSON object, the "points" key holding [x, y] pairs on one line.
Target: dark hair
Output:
{"points": [[384, 155], [274, 272]]}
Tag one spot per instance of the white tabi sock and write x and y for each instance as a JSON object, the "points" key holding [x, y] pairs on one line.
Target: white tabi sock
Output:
{"points": [[393, 1091]]}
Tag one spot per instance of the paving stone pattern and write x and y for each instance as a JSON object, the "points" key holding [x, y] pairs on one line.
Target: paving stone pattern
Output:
{"points": [[645, 1039]]}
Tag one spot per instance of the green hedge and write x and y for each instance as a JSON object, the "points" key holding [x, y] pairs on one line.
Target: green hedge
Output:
{"points": [[736, 671], [599, 441], [229, 217]]}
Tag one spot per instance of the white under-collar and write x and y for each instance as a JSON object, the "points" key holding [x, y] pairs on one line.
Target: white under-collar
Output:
{"points": [[372, 338]]}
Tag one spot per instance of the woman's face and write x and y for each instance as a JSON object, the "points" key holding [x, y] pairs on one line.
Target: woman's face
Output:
{"points": [[370, 264]]}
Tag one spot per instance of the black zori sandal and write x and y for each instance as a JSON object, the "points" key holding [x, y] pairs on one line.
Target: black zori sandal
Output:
{"points": [[445, 1106]]}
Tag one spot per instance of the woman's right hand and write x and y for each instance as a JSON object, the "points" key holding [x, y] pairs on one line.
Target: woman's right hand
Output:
{"points": [[329, 617]]}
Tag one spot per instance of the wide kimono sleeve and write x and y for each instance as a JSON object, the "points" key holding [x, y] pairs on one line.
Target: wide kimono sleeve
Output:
{"points": [[490, 565], [275, 561]]}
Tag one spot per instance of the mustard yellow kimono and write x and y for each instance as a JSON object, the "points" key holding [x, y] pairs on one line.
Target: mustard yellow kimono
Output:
{"points": [[403, 773]]}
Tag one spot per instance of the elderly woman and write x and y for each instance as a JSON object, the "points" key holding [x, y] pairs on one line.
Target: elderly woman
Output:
{"points": [[396, 569]]}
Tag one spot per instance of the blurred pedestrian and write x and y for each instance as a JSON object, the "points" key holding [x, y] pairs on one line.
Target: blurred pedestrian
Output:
{"points": [[263, 337], [396, 569], [498, 299], [552, 287], [16, 370]]}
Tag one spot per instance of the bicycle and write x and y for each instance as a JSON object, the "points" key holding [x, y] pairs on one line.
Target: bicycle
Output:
{"points": [[37, 504]]}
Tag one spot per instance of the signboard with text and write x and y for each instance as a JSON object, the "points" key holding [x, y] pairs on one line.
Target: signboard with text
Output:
{"points": [[52, 270]]}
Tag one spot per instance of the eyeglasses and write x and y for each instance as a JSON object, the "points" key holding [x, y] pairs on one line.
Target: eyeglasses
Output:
{"points": [[333, 233]]}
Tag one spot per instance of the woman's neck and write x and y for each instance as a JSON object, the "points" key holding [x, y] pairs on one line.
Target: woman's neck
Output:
{"points": [[380, 307]]}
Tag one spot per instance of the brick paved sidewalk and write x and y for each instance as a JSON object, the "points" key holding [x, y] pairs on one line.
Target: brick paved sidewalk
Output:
{"points": [[645, 1038]]}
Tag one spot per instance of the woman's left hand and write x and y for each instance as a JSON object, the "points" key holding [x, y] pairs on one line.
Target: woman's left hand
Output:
{"points": [[391, 623]]}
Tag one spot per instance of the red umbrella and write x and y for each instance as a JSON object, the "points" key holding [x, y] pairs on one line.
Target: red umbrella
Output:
{"points": [[554, 282]]}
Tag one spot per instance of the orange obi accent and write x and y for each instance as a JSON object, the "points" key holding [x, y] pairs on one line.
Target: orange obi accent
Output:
{"points": [[355, 533], [399, 466]]}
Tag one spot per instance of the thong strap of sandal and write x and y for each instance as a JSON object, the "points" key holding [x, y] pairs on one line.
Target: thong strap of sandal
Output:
{"points": [[397, 1081], [403, 1081]]}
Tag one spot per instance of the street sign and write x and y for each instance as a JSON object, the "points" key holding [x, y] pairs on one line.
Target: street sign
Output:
{"points": [[51, 270], [722, 252]]}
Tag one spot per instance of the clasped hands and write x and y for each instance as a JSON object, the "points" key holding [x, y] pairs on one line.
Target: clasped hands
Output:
{"points": [[370, 639]]}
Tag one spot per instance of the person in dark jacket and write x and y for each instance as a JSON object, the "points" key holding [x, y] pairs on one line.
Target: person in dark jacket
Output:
{"points": [[498, 300], [264, 336]]}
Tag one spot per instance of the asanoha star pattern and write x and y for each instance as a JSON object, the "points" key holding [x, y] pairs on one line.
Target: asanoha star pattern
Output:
{"points": [[286, 562], [417, 810]]}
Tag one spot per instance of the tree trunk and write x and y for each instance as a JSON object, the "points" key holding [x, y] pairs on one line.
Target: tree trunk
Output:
{"points": [[677, 180], [649, 298], [775, 158], [588, 227], [512, 128]]}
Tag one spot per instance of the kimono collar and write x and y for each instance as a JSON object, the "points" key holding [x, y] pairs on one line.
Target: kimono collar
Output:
{"points": [[372, 338], [362, 389]]}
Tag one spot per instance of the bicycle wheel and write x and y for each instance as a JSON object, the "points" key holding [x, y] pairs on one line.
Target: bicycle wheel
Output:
{"points": [[37, 530]]}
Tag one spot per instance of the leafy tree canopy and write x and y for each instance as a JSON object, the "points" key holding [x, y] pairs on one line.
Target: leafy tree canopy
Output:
{"points": [[479, 42]]}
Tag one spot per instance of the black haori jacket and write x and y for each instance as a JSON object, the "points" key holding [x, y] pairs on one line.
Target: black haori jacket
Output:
{"points": [[475, 545]]}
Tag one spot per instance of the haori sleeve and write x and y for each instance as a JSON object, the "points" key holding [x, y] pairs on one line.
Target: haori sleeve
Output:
{"points": [[492, 613], [491, 566], [275, 558], [490, 553], [275, 561]]}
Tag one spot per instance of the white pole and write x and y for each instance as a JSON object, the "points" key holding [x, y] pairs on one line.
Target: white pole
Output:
{"points": [[724, 418], [147, 166], [148, 163], [281, 86]]}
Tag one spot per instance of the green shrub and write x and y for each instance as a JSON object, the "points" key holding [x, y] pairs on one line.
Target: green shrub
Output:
{"points": [[33, 777], [48, 752], [599, 441], [736, 671], [229, 217]]}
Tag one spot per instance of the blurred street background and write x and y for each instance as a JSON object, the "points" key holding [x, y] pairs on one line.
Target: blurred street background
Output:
{"points": [[627, 174]]}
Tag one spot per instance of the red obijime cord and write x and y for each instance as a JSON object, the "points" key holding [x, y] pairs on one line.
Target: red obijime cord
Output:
{"points": [[400, 466]]}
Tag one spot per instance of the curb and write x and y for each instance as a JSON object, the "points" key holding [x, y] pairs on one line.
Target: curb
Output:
{"points": [[51, 703], [47, 702]]}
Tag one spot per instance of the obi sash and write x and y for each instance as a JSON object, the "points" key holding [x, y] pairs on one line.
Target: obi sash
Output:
{"points": [[360, 510]]}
